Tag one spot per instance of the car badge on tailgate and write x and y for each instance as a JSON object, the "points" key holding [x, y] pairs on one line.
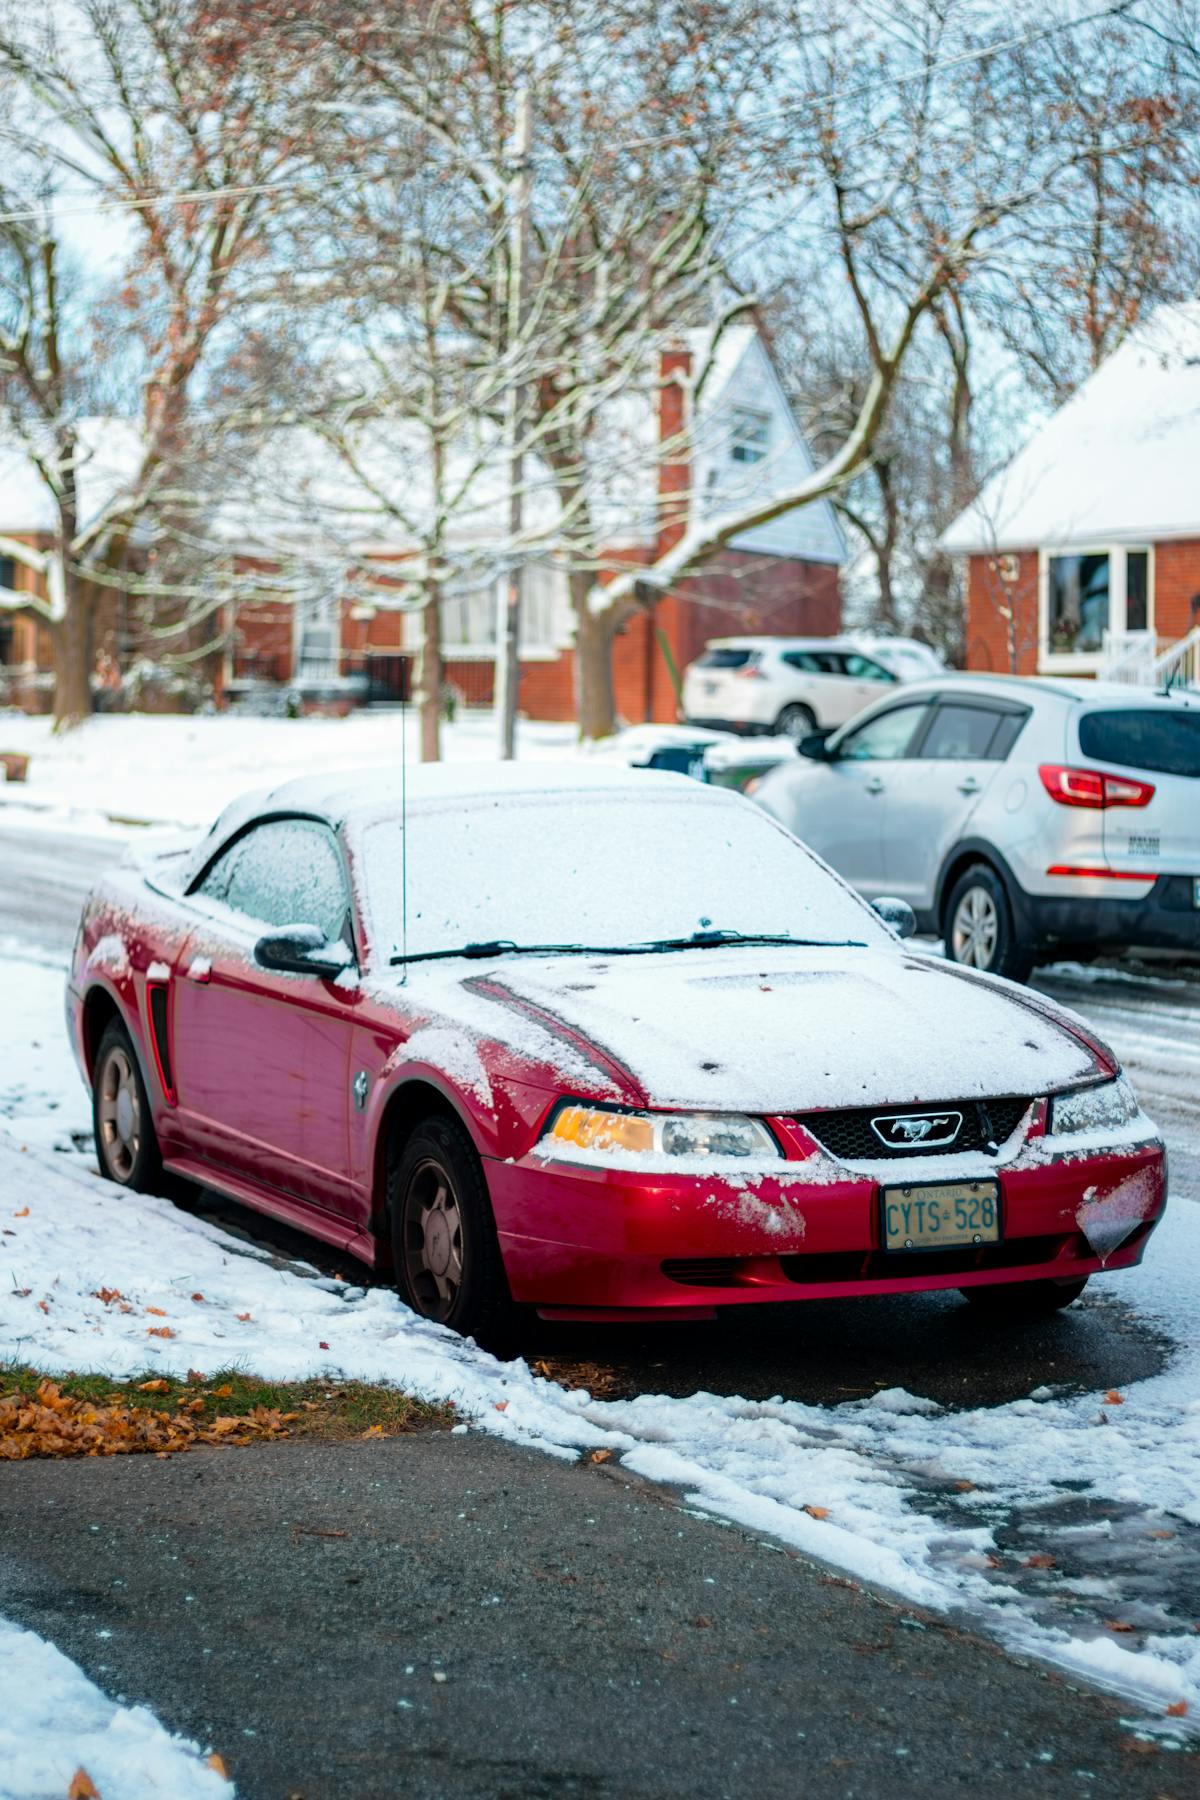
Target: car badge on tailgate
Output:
{"points": [[917, 1131]]}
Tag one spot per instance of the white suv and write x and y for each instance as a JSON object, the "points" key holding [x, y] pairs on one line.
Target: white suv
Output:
{"points": [[1020, 819], [793, 686]]}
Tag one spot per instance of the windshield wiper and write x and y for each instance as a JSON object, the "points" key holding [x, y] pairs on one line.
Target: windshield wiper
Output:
{"points": [[699, 940]]}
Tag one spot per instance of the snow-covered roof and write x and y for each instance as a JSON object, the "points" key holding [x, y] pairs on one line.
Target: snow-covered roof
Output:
{"points": [[1118, 463], [297, 490]]}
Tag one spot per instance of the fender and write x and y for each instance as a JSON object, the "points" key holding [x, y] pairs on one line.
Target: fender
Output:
{"points": [[983, 851]]}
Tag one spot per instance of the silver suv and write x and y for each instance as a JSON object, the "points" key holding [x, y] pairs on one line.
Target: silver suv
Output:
{"points": [[1020, 819]]}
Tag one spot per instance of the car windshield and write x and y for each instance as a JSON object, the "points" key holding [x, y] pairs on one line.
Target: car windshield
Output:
{"points": [[601, 868]]}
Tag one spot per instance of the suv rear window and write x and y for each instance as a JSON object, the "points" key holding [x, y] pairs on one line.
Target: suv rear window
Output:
{"points": [[1167, 742], [727, 659]]}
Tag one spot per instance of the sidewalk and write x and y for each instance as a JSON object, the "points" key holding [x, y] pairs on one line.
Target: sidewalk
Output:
{"points": [[449, 1616]]}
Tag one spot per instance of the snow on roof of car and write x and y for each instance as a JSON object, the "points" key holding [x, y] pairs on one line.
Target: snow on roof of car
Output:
{"points": [[363, 792], [1031, 688]]}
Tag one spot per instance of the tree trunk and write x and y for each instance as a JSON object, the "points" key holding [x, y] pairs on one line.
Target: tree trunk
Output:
{"points": [[74, 658], [595, 700], [429, 675]]}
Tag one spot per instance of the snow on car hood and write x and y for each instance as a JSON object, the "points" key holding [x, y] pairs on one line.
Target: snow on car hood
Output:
{"points": [[777, 1031]]}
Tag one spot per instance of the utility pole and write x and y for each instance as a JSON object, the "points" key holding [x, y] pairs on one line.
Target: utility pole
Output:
{"points": [[508, 647]]}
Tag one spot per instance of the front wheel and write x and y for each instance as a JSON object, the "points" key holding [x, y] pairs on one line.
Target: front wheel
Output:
{"points": [[126, 1144], [979, 929], [445, 1250], [796, 722], [1023, 1299]]}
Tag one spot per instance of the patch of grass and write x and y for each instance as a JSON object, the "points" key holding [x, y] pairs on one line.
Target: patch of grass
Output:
{"points": [[337, 1411]]}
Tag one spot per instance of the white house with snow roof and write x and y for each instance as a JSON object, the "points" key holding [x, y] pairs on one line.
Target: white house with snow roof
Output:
{"points": [[1084, 552]]}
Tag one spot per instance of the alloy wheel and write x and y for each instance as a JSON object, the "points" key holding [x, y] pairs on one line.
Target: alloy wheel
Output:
{"points": [[433, 1240], [119, 1114], [975, 932]]}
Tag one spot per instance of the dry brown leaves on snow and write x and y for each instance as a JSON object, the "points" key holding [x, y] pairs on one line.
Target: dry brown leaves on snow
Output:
{"points": [[54, 1424]]}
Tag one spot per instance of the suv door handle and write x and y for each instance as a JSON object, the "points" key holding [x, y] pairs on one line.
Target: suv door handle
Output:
{"points": [[874, 786], [969, 786]]}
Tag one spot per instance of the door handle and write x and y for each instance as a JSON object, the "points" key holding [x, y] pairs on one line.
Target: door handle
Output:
{"points": [[874, 786], [969, 786]]}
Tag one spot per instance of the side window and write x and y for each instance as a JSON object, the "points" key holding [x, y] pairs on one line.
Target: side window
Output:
{"points": [[861, 668], [284, 872], [803, 660], [886, 737], [960, 734]]}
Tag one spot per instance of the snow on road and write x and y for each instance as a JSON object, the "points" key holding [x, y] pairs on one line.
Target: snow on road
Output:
{"points": [[894, 1489], [54, 1722]]}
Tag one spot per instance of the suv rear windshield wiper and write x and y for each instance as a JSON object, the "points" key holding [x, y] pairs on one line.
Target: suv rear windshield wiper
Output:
{"points": [[699, 940]]}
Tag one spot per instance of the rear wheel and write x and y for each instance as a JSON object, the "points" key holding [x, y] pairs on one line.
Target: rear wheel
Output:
{"points": [[979, 929], [1023, 1299], [445, 1249], [126, 1144], [796, 721]]}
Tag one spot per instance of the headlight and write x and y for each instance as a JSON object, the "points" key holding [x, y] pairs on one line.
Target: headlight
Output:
{"points": [[1106, 1106], [600, 1132]]}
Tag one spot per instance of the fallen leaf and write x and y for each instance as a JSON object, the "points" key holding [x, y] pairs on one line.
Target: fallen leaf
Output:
{"points": [[163, 1331], [1160, 1534], [322, 1345], [965, 1487], [1177, 1709], [1118, 1625], [157, 1311], [194, 1375], [82, 1787], [1114, 1398], [43, 1307], [23, 1214], [159, 1386], [600, 1456], [217, 1761], [1039, 1561], [1139, 1746], [373, 1431], [108, 1295], [223, 1392], [244, 1317], [22, 1293], [500, 1405], [197, 1297], [817, 1512]]}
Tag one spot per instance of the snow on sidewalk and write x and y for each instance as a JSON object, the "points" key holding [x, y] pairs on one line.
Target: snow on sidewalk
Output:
{"points": [[895, 1489], [54, 1721]]}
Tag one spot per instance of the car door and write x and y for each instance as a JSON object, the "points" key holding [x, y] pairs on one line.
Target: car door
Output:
{"points": [[934, 790], [262, 1058], [837, 806], [864, 681]]}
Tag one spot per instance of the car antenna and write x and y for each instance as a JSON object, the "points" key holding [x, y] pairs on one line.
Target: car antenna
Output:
{"points": [[404, 834]]}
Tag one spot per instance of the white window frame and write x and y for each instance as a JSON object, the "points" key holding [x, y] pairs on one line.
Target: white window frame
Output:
{"points": [[1090, 662], [749, 430]]}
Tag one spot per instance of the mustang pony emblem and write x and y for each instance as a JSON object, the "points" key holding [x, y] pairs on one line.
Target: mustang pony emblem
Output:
{"points": [[916, 1131]]}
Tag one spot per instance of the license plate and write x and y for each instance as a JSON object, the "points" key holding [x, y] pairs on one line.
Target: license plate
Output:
{"points": [[946, 1215]]}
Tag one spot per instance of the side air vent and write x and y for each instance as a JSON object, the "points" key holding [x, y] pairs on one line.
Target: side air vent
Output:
{"points": [[158, 1000]]}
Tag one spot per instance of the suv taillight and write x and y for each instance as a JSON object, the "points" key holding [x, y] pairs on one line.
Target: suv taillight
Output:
{"points": [[751, 672], [1093, 788]]}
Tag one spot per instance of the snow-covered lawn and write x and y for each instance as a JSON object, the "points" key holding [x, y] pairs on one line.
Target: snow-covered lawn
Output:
{"points": [[184, 770], [895, 1489]]}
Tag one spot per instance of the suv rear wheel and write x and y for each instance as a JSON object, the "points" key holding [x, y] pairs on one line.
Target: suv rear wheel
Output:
{"points": [[796, 721], [978, 926]]}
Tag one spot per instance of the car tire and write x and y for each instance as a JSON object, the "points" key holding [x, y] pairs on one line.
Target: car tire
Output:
{"points": [[445, 1251], [796, 722], [122, 1125], [978, 926], [1023, 1299]]}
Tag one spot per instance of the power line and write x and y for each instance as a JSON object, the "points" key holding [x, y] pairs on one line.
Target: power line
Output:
{"points": [[186, 198]]}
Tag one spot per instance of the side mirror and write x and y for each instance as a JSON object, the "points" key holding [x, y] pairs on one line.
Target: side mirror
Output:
{"points": [[302, 950], [816, 745], [898, 915]]}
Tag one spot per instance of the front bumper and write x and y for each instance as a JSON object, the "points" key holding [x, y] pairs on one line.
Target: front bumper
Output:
{"points": [[600, 1243], [1164, 919]]}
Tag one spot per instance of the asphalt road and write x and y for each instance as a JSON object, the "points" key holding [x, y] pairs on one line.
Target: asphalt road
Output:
{"points": [[446, 1616]]}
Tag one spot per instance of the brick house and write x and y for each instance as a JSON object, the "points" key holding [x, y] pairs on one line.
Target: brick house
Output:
{"points": [[1084, 552], [353, 639]]}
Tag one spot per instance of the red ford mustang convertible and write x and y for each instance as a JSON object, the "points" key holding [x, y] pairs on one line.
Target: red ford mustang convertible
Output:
{"points": [[609, 1044]]}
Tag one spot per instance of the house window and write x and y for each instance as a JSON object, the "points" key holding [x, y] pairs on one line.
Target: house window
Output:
{"points": [[1078, 602], [1090, 599], [749, 435], [469, 620], [8, 573], [318, 652]]}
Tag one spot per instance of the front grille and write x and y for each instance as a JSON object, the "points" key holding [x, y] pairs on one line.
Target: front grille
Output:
{"points": [[848, 1135]]}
